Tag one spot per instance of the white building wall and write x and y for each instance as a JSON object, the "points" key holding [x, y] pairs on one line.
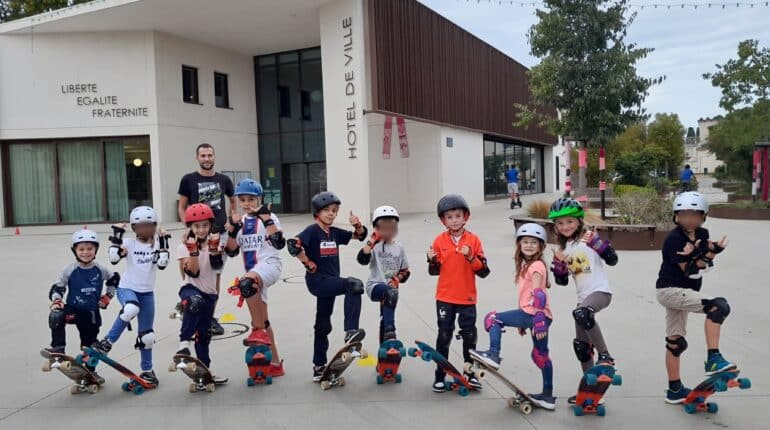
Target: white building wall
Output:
{"points": [[462, 164]]}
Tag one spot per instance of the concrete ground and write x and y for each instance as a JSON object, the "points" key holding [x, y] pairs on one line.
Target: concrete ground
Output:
{"points": [[633, 326]]}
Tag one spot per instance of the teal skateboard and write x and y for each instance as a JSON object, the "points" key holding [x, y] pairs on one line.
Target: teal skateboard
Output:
{"points": [[593, 385], [458, 383], [388, 360], [696, 400], [135, 383]]}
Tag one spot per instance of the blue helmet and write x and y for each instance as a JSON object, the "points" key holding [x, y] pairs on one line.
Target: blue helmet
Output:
{"points": [[249, 187]]}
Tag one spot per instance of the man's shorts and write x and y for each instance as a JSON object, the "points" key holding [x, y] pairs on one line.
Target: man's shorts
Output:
{"points": [[679, 302], [513, 188], [269, 272]]}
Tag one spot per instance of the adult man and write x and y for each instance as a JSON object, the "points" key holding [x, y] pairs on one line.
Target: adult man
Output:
{"points": [[512, 175], [207, 186]]}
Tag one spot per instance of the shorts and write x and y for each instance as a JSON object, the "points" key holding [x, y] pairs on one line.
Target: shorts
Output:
{"points": [[269, 273], [679, 302], [513, 188]]}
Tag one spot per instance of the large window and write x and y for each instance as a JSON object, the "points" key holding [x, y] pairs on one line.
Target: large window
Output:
{"points": [[499, 156], [76, 180], [190, 85], [291, 128]]}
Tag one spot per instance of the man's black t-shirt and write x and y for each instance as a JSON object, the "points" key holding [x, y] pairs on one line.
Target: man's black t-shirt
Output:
{"points": [[670, 274], [323, 249], [210, 190]]}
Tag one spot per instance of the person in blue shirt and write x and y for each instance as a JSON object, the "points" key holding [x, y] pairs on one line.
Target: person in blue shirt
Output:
{"points": [[512, 175], [685, 178]]}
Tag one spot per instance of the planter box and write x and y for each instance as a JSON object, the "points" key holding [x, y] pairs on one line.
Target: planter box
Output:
{"points": [[732, 198], [729, 212], [624, 237]]}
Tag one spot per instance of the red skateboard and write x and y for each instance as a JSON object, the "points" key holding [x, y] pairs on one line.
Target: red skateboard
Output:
{"points": [[594, 383], [388, 360], [696, 400]]}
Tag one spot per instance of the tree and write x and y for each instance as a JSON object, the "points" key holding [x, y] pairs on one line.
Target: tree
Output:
{"points": [[732, 141], [15, 9], [667, 133]]}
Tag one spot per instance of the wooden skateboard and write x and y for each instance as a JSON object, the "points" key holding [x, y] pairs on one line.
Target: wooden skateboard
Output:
{"points": [[85, 380], [135, 383], [521, 398], [696, 400], [388, 360], [332, 375], [459, 381], [594, 383], [258, 357], [202, 378]]}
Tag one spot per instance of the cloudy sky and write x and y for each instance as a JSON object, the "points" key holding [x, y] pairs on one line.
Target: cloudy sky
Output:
{"points": [[687, 43]]}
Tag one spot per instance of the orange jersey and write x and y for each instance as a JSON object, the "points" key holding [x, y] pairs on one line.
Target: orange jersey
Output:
{"points": [[457, 276]]}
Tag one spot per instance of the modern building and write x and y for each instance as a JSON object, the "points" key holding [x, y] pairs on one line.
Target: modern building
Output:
{"points": [[696, 152], [103, 104]]}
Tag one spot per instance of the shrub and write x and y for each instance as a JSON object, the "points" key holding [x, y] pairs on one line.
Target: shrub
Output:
{"points": [[643, 207], [620, 189], [539, 209], [751, 204]]}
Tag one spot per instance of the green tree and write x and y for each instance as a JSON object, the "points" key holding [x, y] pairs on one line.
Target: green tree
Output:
{"points": [[667, 133], [732, 141], [15, 9]]}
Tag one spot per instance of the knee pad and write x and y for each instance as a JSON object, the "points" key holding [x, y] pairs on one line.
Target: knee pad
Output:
{"points": [[584, 351], [391, 297], [541, 358], [716, 309], [267, 324], [193, 303], [130, 311], [490, 319], [676, 346], [584, 317], [145, 340], [355, 286], [468, 335], [57, 318], [444, 337], [246, 285]]}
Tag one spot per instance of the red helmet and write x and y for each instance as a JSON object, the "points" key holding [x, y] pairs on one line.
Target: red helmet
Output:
{"points": [[198, 212]]}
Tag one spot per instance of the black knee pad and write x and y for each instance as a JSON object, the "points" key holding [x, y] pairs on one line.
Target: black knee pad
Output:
{"points": [[716, 309], [355, 286], [584, 317], [267, 324], [469, 335], [57, 318], [193, 303], [444, 337], [584, 351], [676, 346], [246, 285], [391, 297]]}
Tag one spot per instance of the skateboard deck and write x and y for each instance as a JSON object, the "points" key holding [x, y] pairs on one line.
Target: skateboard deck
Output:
{"points": [[195, 370], [84, 379], [332, 375], [696, 400], [593, 384], [388, 360], [135, 383], [258, 359], [521, 398], [459, 381]]}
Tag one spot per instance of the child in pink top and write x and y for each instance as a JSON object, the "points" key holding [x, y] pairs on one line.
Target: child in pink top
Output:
{"points": [[533, 313]]}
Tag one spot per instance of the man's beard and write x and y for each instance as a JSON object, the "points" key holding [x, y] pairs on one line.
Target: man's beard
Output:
{"points": [[204, 167]]}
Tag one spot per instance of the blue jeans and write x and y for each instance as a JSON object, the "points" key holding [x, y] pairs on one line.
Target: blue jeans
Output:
{"points": [[326, 289], [387, 313], [146, 317], [520, 319]]}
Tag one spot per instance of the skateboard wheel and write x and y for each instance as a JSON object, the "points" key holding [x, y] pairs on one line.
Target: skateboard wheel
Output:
{"points": [[617, 379], [744, 383], [463, 391], [427, 356], [325, 385], [402, 351], [712, 408], [577, 410], [380, 380], [468, 368], [172, 315], [690, 408], [75, 389], [481, 374], [172, 367], [47, 366], [345, 357], [268, 380], [512, 402], [720, 385], [192, 388], [92, 361], [126, 387], [138, 389], [93, 388], [398, 378], [66, 365], [382, 354], [412, 352], [192, 367], [601, 410], [341, 382], [210, 387], [525, 408], [78, 359], [364, 353], [250, 381], [591, 379]]}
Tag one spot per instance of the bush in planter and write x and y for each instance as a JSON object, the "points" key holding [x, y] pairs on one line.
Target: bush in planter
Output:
{"points": [[620, 189], [643, 207], [751, 204], [539, 210]]}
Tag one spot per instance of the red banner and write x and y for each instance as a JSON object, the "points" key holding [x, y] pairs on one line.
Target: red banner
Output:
{"points": [[602, 166], [403, 142], [582, 157], [386, 137]]}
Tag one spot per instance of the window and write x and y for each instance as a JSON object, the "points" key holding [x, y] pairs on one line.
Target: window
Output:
{"points": [[190, 84], [221, 92], [284, 100]]}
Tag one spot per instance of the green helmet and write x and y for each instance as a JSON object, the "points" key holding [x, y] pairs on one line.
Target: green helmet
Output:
{"points": [[566, 207]]}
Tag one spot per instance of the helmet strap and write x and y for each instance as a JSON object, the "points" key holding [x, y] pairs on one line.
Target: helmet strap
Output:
{"points": [[78, 258]]}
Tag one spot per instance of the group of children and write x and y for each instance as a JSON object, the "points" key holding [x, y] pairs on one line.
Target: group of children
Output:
{"points": [[456, 256]]}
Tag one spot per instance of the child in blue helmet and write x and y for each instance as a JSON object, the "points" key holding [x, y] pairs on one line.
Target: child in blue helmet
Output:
{"points": [[258, 234]]}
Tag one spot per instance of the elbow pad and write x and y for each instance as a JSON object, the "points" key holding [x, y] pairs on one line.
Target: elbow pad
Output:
{"points": [[403, 275], [56, 292], [114, 254], [363, 258], [216, 261], [162, 258], [192, 274], [479, 266], [113, 281], [277, 240], [540, 299], [294, 246], [604, 249], [434, 267]]}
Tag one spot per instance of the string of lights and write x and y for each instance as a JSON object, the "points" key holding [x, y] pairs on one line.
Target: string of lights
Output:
{"points": [[644, 6]]}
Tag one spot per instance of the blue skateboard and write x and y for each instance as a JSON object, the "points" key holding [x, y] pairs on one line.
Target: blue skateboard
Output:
{"points": [[696, 400], [427, 353], [135, 383]]}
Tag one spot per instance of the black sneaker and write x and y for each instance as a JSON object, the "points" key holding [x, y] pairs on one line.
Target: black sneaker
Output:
{"points": [[473, 381], [150, 377], [356, 335], [439, 387], [184, 351], [317, 372], [545, 402], [104, 346], [219, 380], [216, 328], [55, 349], [605, 358], [389, 335]]}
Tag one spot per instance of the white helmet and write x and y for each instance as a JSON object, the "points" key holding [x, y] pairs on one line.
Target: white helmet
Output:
{"points": [[82, 236], [384, 212], [532, 230], [690, 200], [143, 215]]}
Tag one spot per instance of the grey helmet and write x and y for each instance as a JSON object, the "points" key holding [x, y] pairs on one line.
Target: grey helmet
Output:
{"points": [[322, 200], [452, 201]]}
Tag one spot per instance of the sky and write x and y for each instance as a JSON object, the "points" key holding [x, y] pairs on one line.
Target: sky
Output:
{"points": [[688, 42]]}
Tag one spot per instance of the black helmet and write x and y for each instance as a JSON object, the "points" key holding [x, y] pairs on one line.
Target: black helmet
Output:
{"points": [[452, 201], [322, 200]]}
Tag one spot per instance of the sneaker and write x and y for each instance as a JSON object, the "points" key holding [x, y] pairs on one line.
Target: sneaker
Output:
{"points": [[104, 346], [183, 351], [545, 402], [439, 387], [276, 369], [216, 328], [491, 360], [54, 349], [317, 372], [676, 397], [571, 400], [473, 381], [716, 363], [99, 378], [258, 336], [150, 377], [219, 380], [389, 335], [356, 335], [605, 358]]}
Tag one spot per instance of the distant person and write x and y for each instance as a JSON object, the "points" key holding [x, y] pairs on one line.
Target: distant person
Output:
{"points": [[685, 178], [512, 175]]}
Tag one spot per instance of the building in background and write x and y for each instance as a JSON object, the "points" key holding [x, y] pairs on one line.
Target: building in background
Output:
{"points": [[696, 153], [103, 104]]}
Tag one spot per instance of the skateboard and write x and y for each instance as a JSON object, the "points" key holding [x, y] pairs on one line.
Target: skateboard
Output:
{"points": [[135, 383], [696, 400], [332, 375], [594, 383], [427, 353], [258, 359], [388, 360], [85, 380], [195, 370], [521, 398]]}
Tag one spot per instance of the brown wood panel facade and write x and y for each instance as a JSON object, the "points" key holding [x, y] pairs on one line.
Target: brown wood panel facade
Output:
{"points": [[425, 66]]}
